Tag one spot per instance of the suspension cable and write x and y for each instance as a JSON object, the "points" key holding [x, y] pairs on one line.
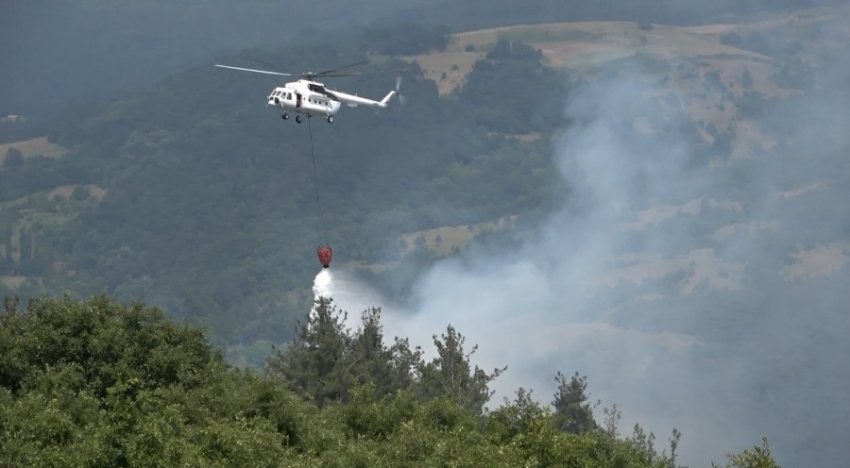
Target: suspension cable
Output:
{"points": [[316, 178]]}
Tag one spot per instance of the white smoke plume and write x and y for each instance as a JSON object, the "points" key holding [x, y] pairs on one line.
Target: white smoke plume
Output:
{"points": [[592, 293], [536, 310]]}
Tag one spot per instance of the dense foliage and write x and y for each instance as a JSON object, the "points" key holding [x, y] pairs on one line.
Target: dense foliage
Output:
{"points": [[513, 92], [102, 383], [326, 361]]}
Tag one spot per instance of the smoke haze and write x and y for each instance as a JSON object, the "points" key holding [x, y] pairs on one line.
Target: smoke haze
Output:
{"points": [[702, 299]]}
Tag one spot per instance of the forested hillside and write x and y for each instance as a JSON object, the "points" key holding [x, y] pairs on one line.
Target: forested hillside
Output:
{"points": [[198, 197], [100, 383], [657, 204]]}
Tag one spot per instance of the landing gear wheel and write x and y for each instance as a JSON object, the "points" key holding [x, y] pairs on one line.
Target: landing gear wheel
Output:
{"points": [[285, 116], [330, 119], [298, 118]]}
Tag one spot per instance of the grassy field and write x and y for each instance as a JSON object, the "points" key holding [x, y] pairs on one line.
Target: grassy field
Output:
{"points": [[818, 262], [34, 147], [582, 45], [578, 46], [698, 265], [444, 240]]}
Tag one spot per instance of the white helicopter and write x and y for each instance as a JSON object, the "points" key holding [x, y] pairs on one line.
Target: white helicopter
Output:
{"points": [[308, 97]]}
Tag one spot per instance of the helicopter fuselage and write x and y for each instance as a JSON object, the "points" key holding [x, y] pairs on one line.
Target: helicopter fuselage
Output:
{"points": [[309, 98], [300, 98]]}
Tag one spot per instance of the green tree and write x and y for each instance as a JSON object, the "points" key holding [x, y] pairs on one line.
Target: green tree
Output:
{"points": [[109, 342], [315, 362], [14, 158], [100, 383], [81, 193], [450, 374], [387, 368], [420, 241], [513, 418], [513, 76], [326, 360], [756, 457], [573, 413], [10, 304]]}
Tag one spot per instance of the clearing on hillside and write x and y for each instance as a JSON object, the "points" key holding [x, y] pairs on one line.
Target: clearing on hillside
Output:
{"points": [[583, 45], [443, 240], [34, 147], [818, 262]]}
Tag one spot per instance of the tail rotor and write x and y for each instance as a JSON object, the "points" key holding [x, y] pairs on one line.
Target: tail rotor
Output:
{"points": [[401, 97]]}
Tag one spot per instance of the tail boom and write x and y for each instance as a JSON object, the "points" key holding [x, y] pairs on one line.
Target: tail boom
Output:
{"points": [[352, 100]]}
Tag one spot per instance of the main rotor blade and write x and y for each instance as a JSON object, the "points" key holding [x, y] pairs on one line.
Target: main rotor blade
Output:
{"points": [[374, 72], [326, 72], [255, 71], [334, 75]]}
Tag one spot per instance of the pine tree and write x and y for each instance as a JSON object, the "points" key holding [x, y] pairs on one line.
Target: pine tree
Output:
{"points": [[10, 304], [327, 361], [451, 375], [314, 361], [572, 412], [388, 369]]}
